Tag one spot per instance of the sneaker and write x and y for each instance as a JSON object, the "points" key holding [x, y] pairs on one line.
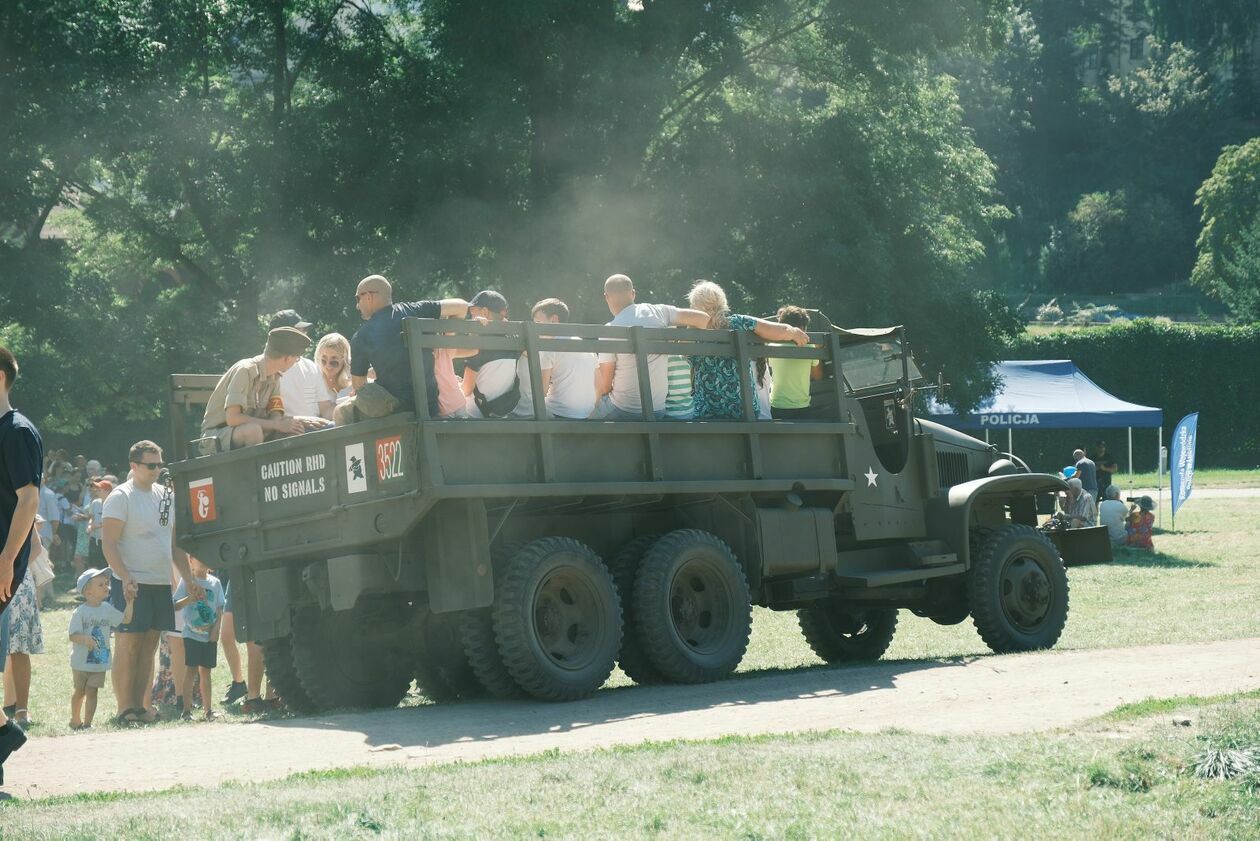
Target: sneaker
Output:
{"points": [[211, 715], [235, 692], [186, 715], [255, 706]]}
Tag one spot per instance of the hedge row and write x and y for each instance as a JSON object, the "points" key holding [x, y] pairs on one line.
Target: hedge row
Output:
{"points": [[1213, 370]]}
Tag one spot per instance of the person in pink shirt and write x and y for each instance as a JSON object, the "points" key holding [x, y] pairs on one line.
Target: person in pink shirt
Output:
{"points": [[452, 403]]}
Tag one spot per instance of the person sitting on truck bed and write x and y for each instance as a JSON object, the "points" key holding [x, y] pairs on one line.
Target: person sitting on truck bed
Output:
{"points": [[617, 378], [496, 382], [717, 378], [378, 344], [789, 397], [568, 379], [246, 408]]}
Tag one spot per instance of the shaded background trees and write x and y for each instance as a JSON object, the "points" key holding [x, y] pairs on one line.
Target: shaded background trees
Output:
{"points": [[172, 171]]}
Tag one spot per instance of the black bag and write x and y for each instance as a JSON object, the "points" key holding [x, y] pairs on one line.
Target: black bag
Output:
{"points": [[501, 406]]}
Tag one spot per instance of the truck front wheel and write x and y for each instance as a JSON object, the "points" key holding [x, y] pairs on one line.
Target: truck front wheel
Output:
{"points": [[1017, 589], [838, 635], [692, 608], [350, 658], [557, 619]]}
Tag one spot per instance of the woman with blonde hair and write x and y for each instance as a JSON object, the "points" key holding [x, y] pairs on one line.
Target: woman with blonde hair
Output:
{"points": [[716, 380], [332, 355]]}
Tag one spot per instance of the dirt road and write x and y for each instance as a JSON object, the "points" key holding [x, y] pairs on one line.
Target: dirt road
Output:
{"points": [[986, 695]]}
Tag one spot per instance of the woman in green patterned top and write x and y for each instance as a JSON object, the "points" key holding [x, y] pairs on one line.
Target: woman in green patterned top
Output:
{"points": [[715, 379]]}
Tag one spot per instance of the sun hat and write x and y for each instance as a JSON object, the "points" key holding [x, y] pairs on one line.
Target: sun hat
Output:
{"points": [[86, 578], [1146, 503], [1069, 472]]}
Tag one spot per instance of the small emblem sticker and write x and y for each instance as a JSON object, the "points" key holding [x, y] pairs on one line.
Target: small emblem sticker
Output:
{"points": [[356, 470], [201, 500]]}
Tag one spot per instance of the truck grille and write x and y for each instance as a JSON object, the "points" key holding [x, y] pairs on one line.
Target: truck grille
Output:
{"points": [[952, 468]]}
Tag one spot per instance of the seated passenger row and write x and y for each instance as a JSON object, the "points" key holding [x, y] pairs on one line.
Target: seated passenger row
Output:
{"points": [[281, 392]]}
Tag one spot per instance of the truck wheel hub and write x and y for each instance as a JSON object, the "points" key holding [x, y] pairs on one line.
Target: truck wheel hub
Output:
{"points": [[1025, 592]]}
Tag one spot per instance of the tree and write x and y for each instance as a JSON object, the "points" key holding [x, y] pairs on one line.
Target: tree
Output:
{"points": [[211, 161], [1229, 243]]}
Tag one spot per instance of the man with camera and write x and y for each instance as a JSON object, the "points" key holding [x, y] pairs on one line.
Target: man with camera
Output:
{"points": [[139, 543]]}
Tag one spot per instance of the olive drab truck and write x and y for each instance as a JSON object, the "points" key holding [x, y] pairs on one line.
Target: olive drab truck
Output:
{"points": [[528, 557]]}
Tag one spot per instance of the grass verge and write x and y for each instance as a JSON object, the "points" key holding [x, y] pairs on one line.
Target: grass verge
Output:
{"points": [[1092, 781]]}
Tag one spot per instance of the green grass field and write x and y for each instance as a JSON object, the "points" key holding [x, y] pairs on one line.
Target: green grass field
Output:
{"points": [[1203, 584], [1124, 776], [1207, 478]]}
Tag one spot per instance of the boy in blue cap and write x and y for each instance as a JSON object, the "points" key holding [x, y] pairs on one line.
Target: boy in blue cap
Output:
{"points": [[90, 627]]}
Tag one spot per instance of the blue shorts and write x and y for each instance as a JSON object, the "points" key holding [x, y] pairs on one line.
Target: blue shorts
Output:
{"points": [[154, 610]]}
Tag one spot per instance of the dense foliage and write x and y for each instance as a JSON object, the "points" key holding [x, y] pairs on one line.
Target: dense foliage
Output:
{"points": [[1229, 246], [1179, 369], [171, 171]]}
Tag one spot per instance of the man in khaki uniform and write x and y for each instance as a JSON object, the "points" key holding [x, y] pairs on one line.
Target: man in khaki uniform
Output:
{"points": [[245, 408]]}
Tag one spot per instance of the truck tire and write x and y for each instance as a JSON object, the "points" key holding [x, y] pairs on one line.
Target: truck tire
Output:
{"points": [[838, 635], [692, 607], [557, 619], [624, 566], [442, 671], [341, 662], [476, 633], [278, 664], [1017, 589]]}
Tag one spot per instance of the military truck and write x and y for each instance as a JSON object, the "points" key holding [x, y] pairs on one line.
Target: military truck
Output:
{"points": [[527, 557]]}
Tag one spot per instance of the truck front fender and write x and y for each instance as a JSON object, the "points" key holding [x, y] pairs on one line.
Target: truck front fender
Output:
{"points": [[950, 516]]}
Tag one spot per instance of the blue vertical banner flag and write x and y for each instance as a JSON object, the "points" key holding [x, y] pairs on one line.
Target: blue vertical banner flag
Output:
{"points": [[1182, 466]]}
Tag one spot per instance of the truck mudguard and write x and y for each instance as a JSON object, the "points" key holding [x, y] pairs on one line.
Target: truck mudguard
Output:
{"points": [[952, 516]]}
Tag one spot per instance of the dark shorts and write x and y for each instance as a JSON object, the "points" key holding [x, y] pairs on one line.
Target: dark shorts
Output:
{"points": [[791, 414], [154, 611], [200, 654]]}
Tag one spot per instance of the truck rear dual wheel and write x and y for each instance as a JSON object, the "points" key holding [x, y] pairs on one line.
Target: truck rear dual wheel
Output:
{"points": [[624, 567], [692, 609], [346, 658], [282, 676], [557, 619], [442, 671], [476, 632], [1017, 589], [841, 634]]}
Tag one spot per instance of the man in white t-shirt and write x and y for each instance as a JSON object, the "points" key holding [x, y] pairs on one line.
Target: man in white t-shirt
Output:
{"points": [[491, 375], [139, 543], [568, 379], [1113, 513], [303, 391], [617, 378]]}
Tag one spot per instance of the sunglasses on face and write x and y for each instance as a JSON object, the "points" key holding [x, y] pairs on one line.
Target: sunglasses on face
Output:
{"points": [[152, 465], [331, 362]]}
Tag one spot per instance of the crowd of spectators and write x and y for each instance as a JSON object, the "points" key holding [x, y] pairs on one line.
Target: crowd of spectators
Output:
{"points": [[1088, 482]]}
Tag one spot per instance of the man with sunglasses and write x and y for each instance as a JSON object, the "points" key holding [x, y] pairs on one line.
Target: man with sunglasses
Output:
{"points": [[139, 543], [379, 345]]}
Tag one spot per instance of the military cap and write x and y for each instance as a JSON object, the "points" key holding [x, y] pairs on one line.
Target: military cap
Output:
{"points": [[287, 341]]}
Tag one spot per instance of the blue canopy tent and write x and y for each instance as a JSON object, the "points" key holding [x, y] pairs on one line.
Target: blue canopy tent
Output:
{"points": [[1050, 394]]}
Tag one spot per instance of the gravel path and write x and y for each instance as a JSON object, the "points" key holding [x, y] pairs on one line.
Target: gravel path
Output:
{"points": [[993, 695]]}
